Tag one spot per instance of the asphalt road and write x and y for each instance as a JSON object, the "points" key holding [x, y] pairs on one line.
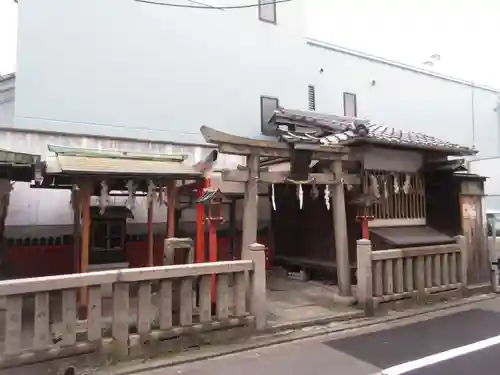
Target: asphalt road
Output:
{"points": [[371, 351]]}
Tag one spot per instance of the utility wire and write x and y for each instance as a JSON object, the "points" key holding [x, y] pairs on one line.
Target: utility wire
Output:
{"points": [[228, 7]]}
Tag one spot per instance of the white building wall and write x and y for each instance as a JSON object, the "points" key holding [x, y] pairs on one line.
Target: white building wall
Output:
{"points": [[154, 72], [144, 72], [406, 99]]}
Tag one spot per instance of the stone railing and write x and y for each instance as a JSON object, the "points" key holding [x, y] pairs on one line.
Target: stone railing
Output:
{"points": [[417, 273], [148, 307]]}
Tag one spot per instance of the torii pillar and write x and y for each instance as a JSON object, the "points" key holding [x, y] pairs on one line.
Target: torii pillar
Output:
{"points": [[250, 205], [340, 230]]}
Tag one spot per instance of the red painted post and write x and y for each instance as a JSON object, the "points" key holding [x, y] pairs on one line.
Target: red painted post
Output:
{"points": [[212, 243], [365, 233], [200, 227]]}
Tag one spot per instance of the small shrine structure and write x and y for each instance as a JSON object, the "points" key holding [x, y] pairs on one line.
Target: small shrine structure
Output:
{"points": [[334, 179], [106, 174]]}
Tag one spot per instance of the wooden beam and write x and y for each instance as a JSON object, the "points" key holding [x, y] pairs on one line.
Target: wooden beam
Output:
{"points": [[280, 177], [232, 144], [172, 191], [217, 137], [287, 152]]}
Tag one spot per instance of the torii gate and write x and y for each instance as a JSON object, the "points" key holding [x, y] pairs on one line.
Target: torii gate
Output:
{"points": [[300, 157]]}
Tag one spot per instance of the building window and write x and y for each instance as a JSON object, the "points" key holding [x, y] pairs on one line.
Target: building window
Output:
{"points": [[267, 11], [311, 91], [267, 107], [350, 106], [108, 235], [107, 241]]}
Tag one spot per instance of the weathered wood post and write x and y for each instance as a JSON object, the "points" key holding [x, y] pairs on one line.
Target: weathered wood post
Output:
{"points": [[340, 229], [463, 261], [85, 195], [77, 227], [150, 234], [493, 258], [172, 191], [365, 276], [258, 292]]}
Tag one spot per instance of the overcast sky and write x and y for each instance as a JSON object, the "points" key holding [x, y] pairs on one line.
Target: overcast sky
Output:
{"points": [[463, 32]]}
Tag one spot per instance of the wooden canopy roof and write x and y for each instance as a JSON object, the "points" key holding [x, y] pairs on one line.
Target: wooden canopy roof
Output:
{"points": [[118, 163], [69, 163]]}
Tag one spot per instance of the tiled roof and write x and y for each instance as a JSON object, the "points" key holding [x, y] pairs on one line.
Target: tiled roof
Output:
{"points": [[334, 130]]}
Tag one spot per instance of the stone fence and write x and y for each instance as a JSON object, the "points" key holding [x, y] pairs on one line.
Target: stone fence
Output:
{"points": [[418, 273], [147, 307]]}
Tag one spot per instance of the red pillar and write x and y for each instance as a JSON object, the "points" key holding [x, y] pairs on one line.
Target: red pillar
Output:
{"points": [[200, 227], [364, 224], [212, 243]]}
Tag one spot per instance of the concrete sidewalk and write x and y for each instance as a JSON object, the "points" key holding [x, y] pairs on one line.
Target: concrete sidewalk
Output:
{"points": [[394, 347], [272, 338]]}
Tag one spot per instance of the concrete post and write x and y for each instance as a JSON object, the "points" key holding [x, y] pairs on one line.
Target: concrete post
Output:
{"points": [[365, 276], [257, 284], [172, 244]]}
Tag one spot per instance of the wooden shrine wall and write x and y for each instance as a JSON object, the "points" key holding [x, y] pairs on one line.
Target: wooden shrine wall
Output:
{"points": [[442, 203], [308, 233], [478, 257]]}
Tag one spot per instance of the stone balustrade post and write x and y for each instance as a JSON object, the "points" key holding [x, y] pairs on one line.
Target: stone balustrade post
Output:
{"points": [[463, 261], [257, 284], [365, 276]]}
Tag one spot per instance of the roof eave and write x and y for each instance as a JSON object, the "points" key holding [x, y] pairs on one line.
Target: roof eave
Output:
{"points": [[450, 151]]}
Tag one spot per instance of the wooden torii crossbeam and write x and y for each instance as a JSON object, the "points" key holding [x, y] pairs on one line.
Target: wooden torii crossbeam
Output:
{"points": [[235, 145], [282, 177]]}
